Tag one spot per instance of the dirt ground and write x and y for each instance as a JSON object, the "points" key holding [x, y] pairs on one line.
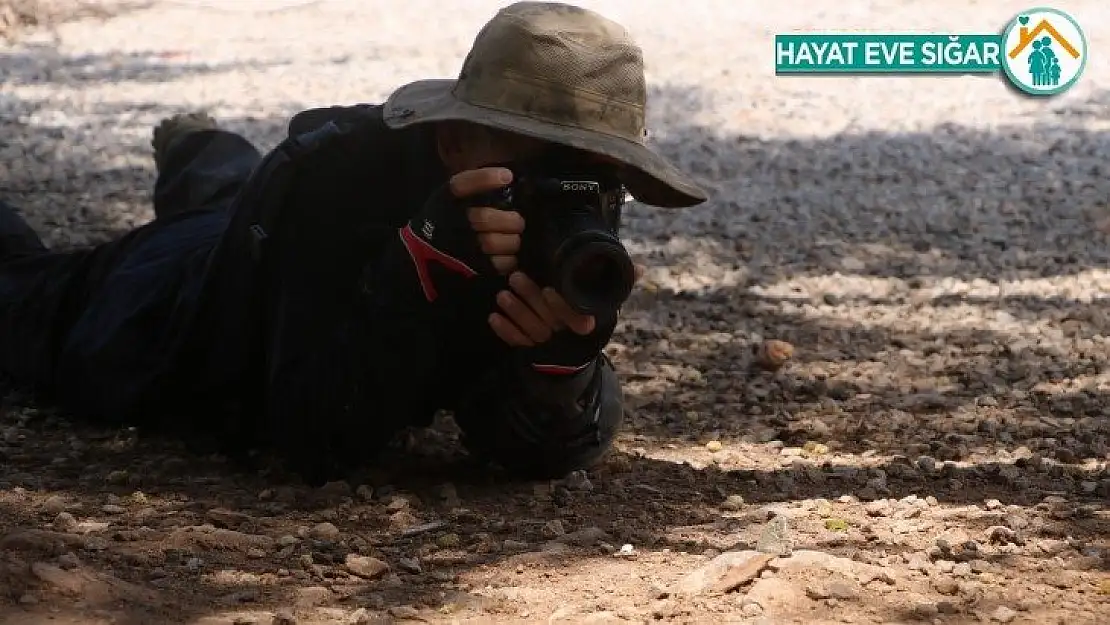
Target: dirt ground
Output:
{"points": [[934, 449]]}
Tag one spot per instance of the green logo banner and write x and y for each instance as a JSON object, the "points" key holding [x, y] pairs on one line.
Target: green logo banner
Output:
{"points": [[865, 53]]}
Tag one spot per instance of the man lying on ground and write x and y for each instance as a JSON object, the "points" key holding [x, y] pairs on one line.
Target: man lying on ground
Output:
{"points": [[382, 263]]}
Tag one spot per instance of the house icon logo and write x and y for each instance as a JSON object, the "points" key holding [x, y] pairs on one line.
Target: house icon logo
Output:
{"points": [[1044, 51]]}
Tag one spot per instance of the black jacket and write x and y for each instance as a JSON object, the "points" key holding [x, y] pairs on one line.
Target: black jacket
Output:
{"points": [[329, 376]]}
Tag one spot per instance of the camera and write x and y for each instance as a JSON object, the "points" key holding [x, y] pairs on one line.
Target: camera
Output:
{"points": [[571, 242]]}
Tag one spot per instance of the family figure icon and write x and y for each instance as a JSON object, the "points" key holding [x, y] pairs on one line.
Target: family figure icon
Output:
{"points": [[1044, 67], [1046, 51]]}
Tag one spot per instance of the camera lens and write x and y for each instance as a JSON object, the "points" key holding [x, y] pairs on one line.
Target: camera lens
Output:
{"points": [[596, 276]]}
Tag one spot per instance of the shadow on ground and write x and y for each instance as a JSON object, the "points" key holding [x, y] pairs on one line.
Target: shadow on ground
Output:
{"points": [[997, 406]]}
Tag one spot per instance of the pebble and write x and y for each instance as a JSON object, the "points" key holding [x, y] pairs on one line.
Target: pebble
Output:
{"points": [[54, 504], [775, 538], [65, 522], [925, 610], [1002, 614], [879, 508], [578, 481], [365, 492], [324, 531], [733, 503], [946, 586], [927, 464], [365, 566], [553, 529], [840, 590]]}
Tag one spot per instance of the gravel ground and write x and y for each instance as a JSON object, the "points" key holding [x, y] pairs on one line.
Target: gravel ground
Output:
{"points": [[928, 252]]}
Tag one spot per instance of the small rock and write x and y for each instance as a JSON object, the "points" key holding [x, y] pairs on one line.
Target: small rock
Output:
{"points": [[1051, 546], [365, 566], [1001, 535], [917, 562], [68, 561], [405, 612], [324, 531], [227, 518], [836, 589], [925, 611], [772, 354], [714, 446], [947, 607], [775, 537], [450, 540], [578, 481], [65, 522], [963, 569], [1002, 614], [730, 569], [553, 529], [412, 565], [113, 509], [312, 596], [117, 477], [993, 504], [54, 504], [733, 503], [946, 586], [927, 464], [283, 616], [879, 508], [585, 537]]}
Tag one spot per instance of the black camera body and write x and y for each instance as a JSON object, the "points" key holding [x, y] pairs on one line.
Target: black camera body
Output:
{"points": [[571, 239]]}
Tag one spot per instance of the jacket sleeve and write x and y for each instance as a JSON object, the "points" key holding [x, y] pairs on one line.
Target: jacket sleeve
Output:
{"points": [[543, 426]]}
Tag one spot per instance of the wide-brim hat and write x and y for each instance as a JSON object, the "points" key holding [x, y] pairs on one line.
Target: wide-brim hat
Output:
{"points": [[561, 74]]}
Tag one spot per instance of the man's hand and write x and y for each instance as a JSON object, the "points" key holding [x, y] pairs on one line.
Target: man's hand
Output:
{"points": [[529, 315], [498, 230]]}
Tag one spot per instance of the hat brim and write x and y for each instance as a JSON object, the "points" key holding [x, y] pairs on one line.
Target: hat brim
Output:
{"points": [[650, 178]]}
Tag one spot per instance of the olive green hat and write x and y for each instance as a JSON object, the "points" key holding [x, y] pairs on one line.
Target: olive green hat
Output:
{"points": [[562, 74]]}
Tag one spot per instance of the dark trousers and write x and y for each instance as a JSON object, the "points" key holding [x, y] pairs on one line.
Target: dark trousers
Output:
{"points": [[94, 329]]}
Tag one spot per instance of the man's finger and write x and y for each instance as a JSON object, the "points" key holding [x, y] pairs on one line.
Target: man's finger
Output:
{"points": [[523, 317], [532, 295], [498, 244], [503, 264], [486, 219], [472, 182], [506, 331], [579, 324]]}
